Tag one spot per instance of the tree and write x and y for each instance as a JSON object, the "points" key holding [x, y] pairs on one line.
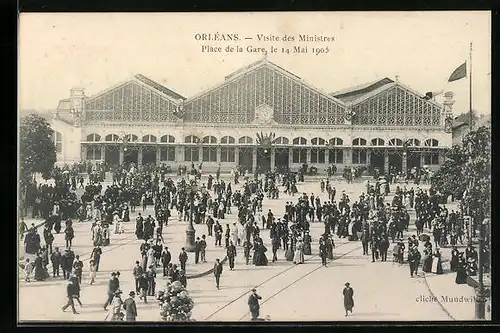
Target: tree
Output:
{"points": [[37, 151], [468, 167]]}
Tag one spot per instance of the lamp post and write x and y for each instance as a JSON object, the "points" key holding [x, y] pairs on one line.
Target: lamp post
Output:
{"points": [[190, 230], [481, 294]]}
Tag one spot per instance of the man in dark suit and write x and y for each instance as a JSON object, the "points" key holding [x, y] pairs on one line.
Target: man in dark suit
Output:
{"points": [[137, 274], [166, 257], [113, 286], [183, 257], [197, 250], [217, 271], [231, 254], [130, 307], [55, 257], [253, 303], [71, 292]]}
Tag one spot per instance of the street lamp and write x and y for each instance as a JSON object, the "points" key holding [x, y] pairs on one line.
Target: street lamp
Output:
{"points": [[190, 230], [481, 294]]}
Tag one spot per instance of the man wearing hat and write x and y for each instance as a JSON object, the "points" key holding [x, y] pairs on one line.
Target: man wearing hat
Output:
{"points": [[253, 304], [113, 286], [348, 298], [130, 307]]}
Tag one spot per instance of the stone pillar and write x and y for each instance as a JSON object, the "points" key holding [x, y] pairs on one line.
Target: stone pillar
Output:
{"points": [[200, 155], [386, 161], [308, 156], [273, 158], [139, 157], [158, 155], [422, 160], [179, 154], [348, 156], [218, 154], [103, 153], [84, 152], [237, 155], [290, 157], [327, 157], [404, 163], [254, 159], [122, 155]]}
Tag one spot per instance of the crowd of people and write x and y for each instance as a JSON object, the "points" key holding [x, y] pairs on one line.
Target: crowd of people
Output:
{"points": [[368, 219]]}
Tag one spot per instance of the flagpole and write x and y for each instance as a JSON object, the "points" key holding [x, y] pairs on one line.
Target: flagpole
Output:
{"points": [[470, 88]]}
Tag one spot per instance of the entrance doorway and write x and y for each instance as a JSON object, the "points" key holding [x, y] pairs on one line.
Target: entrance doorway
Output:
{"points": [[413, 160], [263, 160], [395, 162], [245, 159], [149, 155], [112, 156], [130, 155], [377, 161], [281, 159]]}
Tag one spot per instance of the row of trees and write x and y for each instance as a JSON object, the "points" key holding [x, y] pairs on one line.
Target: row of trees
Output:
{"points": [[466, 173]]}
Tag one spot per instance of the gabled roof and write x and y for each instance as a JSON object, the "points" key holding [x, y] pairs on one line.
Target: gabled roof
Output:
{"points": [[353, 93], [145, 82], [260, 63], [158, 86], [388, 86]]}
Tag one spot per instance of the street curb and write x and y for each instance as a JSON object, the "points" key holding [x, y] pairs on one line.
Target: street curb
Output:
{"points": [[204, 273], [433, 295]]}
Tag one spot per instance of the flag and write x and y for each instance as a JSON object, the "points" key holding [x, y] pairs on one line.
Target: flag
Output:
{"points": [[429, 95], [458, 73]]}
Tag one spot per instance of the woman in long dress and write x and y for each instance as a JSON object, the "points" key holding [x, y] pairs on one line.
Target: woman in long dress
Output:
{"points": [[427, 262], [39, 270], [307, 243], [298, 258], [437, 267], [461, 277], [115, 313], [348, 298], [289, 254]]}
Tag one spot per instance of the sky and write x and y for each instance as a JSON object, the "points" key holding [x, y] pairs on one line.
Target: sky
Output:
{"points": [[96, 51]]}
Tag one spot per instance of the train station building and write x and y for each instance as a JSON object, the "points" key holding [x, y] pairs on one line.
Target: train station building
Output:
{"points": [[261, 116]]}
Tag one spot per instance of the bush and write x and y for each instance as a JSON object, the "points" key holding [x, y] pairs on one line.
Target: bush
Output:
{"points": [[175, 303]]}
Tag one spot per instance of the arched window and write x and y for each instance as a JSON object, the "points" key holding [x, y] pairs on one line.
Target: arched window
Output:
{"points": [[359, 142], [167, 139], [299, 141], [413, 142], [245, 140], [191, 139], [131, 138], [396, 143], [378, 142], [336, 142], [431, 143], [281, 141], [318, 142], [210, 139], [93, 137], [58, 142], [149, 138], [227, 140], [111, 137]]}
